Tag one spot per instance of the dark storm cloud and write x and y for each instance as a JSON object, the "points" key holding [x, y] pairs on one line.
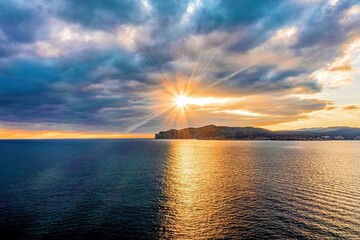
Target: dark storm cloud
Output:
{"points": [[86, 67], [104, 14], [18, 23], [107, 14], [257, 19], [232, 13], [58, 91]]}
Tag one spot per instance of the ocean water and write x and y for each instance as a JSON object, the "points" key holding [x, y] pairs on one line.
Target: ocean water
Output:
{"points": [[179, 189]]}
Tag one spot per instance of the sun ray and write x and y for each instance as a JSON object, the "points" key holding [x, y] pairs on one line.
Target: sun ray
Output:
{"points": [[228, 77], [176, 101]]}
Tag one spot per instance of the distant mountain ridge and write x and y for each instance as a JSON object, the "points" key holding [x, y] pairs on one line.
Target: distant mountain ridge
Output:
{"points": [[222, 132]]}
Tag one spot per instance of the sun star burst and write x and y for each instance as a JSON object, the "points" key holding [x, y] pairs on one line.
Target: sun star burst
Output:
{"points": [[181, 101]]}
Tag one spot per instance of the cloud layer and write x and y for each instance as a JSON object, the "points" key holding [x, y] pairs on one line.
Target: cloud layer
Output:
{"points": [[101, 65]]}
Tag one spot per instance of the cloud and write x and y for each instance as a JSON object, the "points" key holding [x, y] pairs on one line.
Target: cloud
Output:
{"points": [[67, 39], [320, 29], [336, 115], [225, 14], [18, 22], [342, 71], [351, 107], [101, 65], [106, 14], [70, 91]]}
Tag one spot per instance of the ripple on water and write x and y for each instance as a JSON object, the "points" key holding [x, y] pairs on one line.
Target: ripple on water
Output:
{"points": [[179, 189]]}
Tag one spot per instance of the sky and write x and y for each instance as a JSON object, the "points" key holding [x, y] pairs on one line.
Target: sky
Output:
{"points": [[130, 68]]}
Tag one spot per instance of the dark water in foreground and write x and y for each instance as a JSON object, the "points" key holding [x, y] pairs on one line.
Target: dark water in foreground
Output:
{"points": [[184, 189]]}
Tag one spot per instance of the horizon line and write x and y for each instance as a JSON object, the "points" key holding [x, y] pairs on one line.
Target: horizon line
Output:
{"points": [[18, 134]]}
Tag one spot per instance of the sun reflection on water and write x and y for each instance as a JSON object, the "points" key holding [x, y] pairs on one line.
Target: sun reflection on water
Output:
{"points": [[199, 194], [245, 189]]}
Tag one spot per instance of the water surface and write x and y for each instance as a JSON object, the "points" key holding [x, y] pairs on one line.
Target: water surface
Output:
{"points": [[185, 189]]}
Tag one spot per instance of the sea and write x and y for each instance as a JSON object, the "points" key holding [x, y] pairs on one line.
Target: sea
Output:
{"points": [[179, 189]]}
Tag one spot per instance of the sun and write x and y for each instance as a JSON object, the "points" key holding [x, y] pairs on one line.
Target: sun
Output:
{"points": [[181, 101]]}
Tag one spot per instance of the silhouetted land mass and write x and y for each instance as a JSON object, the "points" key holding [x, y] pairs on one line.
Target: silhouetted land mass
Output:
{"points": [[212, 132]]}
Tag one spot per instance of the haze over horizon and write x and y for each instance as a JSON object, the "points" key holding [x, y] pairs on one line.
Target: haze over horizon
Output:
{"points": [[89, 69]]}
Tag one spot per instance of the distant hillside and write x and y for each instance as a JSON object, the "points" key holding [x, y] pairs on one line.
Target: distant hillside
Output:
{"points": [[220, 132]]}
